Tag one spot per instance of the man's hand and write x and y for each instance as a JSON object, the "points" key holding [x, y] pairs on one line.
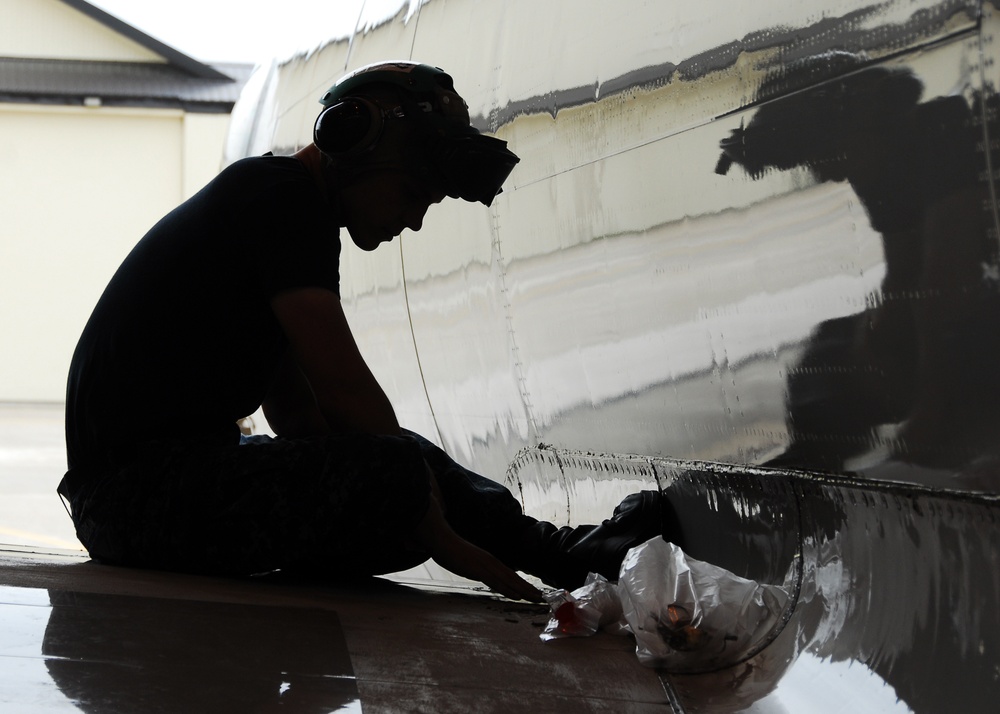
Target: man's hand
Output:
{"points": [[461, 557]]}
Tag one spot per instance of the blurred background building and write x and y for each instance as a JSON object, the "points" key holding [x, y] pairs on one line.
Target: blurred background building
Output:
{"points": [[103, 129]]}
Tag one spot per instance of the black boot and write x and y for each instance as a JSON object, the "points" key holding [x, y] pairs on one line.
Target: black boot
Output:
{"points": [[562, 557]]}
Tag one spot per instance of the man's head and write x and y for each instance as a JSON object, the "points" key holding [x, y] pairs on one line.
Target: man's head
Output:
{"points": [[408, 116]]}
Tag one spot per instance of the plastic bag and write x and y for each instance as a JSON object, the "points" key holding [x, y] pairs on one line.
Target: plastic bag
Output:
{"points": [[593, 606], [686, 615]]}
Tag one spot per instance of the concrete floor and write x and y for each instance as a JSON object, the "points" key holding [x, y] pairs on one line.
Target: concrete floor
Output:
{"points": [[32, 462]]}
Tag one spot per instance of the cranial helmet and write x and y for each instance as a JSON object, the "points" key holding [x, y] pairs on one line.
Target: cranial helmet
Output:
{"points": [[455, 156]]}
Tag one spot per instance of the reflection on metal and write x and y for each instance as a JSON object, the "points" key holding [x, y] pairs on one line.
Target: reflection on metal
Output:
{"points": [[764, 236], [897, 606]]}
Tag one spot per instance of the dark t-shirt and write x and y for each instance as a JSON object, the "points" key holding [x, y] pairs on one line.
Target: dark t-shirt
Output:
{"points": [[183, 341]]}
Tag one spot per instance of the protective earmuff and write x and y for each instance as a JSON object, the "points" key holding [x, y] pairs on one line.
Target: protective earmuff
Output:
{"points": [[348, 127]]}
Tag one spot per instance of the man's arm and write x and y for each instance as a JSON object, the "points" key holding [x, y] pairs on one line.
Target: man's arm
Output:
{"points": [[454, 553], [290, 405], [321, 344], [348, 398]]}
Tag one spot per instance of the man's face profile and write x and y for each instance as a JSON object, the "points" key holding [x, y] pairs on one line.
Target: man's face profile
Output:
{"points": [[379, 204]]}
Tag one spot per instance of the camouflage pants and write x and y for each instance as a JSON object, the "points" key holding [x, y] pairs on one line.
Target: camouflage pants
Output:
{"points": [[335, 506]]}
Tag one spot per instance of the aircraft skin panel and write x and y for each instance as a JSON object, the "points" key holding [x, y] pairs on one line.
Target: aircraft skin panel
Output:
{"points": [[296, 110], [738, 310], [750, 258], [562, 129], [732, 286]]}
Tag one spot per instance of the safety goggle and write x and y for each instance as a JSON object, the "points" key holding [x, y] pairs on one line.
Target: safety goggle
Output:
{"points": [[472, 167]]}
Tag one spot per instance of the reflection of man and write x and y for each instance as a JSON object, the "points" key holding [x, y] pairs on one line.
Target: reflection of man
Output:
{"points": [[918, 366], [231, 302], [109, 654]]}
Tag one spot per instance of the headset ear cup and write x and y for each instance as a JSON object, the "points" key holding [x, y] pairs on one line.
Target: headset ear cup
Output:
{"points": [[348, 127]]}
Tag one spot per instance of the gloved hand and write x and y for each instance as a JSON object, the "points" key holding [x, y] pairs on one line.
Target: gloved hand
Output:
{"points": [[454, 553]]}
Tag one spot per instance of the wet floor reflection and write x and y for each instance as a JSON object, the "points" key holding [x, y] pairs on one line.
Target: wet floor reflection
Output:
{"points": [[106, 653]]}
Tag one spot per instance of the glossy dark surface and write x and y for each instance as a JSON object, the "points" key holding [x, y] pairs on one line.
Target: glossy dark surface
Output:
{"points": [[127, 641], [752, 235], [896, 603], [103, 654]]}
